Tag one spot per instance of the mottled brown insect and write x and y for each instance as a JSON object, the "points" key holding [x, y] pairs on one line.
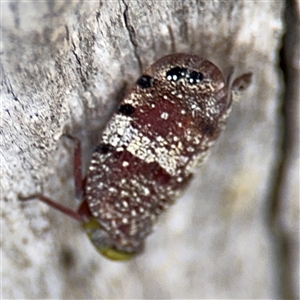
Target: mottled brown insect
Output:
{"points": [[163, 128]]}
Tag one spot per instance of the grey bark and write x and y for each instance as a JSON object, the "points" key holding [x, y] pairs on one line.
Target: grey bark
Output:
{"points": [[64, 67]]}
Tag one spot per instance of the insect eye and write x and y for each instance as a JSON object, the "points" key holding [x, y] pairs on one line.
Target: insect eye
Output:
{"points": [[126, 109], [195, 77], [176, 74], [145, 81]]}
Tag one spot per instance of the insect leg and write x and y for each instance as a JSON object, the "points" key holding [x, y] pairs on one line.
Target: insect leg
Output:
{"points": [[65, 210], [79, 188], [77, 167]]}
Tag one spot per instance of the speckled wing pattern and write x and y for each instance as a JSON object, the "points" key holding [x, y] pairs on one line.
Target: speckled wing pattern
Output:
{"points": [[163, 129]]}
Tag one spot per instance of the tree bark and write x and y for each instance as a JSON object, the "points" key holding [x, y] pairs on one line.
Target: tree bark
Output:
{"points": [[65, 66]]}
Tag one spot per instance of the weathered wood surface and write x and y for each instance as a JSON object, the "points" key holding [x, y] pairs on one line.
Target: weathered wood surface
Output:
{"points": [[64, 67]]}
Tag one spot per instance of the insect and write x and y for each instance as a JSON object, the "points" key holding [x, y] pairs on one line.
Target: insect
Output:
{"points": [[163, 128]]}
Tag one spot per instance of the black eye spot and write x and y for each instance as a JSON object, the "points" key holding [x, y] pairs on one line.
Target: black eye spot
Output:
{"points": [[126, 109], [104, 148], [145, 81], [207, 129], [195, 77], [176, 73]]}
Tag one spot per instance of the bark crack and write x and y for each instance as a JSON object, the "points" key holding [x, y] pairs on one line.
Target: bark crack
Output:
{"points": [[82, 77], [131, 33], [9, 88], [281, 238]]}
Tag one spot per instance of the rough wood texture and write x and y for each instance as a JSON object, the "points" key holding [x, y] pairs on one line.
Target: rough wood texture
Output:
{"points": [[64, 67]]}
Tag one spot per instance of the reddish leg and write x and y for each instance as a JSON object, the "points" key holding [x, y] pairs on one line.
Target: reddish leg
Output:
{"points": [[79, 186], [77, 171], [65, 210]]}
